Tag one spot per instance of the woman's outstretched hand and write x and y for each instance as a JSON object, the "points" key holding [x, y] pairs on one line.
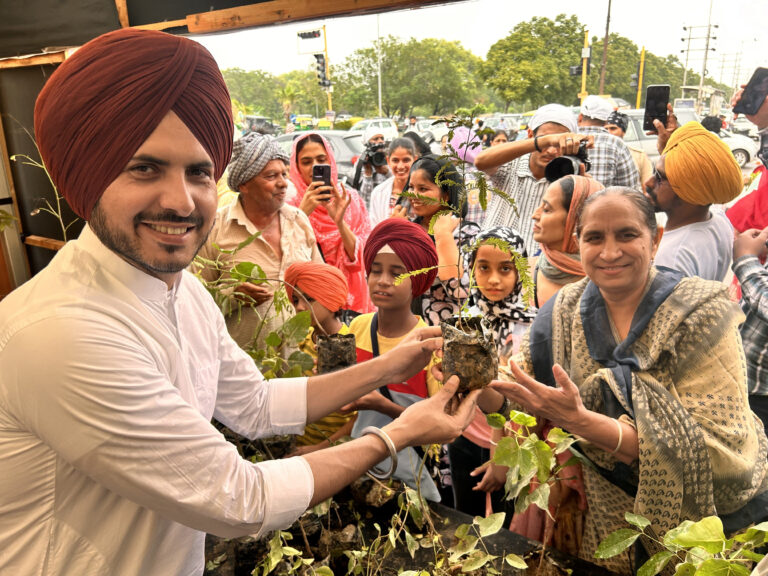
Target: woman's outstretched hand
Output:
{"points": [[561, 405]]}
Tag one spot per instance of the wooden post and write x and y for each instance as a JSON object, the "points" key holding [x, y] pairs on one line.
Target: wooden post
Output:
{"points": [[122, 12]]}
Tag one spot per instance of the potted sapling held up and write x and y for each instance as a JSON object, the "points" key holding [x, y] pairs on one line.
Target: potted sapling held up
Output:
{"points": [[439, 188]]}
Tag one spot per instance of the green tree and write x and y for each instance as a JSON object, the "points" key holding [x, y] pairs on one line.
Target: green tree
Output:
{"points": [[435, 75], [309, 97], [531, 63], [255, 90]]}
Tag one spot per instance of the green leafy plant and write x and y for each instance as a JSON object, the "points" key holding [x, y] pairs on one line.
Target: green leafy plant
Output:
{"points": [[699, 548], [278, 357], [529, 457], [281, 554]]}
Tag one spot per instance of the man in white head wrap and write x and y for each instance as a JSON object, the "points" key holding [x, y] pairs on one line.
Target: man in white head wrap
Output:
{"points": [[517, 169], [368, 176], [610, 159], [258, 171]]}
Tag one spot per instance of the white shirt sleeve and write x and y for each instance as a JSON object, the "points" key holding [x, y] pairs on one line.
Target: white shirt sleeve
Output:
{"points": [[91, 392]]}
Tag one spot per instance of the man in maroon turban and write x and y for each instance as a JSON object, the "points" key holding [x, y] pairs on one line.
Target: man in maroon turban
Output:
{"points": [[114, 359]]}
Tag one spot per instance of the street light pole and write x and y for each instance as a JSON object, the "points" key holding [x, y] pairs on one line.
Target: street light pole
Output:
{"points": [[605, 50], [378, 57]]}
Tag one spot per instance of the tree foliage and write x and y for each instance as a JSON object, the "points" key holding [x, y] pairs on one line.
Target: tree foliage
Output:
{"points": [[530, 65], [434, 75]]}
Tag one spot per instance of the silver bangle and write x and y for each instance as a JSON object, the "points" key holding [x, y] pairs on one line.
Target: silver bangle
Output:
{"points": [[374, 472]]}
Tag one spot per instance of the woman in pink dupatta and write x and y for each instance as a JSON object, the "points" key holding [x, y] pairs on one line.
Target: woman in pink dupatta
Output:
{"points": [[337, 215]]}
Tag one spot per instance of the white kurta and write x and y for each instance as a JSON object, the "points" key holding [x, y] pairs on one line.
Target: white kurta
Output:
{"points": [[110, 465]]}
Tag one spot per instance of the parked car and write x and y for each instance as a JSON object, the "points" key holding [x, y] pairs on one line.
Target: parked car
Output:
{"points": [[387, 127], [744, 127], [743, 149], [347, 146], [431, 130], [260, 124]]}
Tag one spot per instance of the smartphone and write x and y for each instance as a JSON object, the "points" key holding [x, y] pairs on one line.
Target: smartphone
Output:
{"points": [[754, 94], [656, 100], [321, 173]]}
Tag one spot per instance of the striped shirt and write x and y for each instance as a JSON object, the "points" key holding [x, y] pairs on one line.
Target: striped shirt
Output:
{"points": [[516, 180], [754, 332], [612, 163]]}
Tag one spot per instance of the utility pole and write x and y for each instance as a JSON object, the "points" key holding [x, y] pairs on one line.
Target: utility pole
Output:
{"points": [[699, 98], [378, 56], [605, 50], [585, 53], [328, 89], [688, 49], [640, 74]]}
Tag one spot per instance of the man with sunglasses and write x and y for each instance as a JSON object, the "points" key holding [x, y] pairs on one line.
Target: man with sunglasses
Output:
{"points": [[695, 171]]}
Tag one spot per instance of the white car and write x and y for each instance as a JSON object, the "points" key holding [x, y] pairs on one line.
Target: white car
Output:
{"points": [[387, 127], [743, 149], [431, 130]]}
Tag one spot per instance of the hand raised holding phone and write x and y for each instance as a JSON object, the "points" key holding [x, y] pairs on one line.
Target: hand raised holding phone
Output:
{"points": [[320, 190]]}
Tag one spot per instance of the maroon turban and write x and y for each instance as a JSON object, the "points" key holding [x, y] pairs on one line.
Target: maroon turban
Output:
{"points": [[102, 103], [412, 245]]}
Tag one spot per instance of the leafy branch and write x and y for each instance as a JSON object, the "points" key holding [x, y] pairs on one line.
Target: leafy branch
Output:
{"points": [[699, 548]]}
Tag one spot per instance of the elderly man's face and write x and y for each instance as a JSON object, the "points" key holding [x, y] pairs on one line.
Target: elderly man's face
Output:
{"points": [[265, 192], [158, 212]]}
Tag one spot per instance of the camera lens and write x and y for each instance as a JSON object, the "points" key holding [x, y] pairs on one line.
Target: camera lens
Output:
{"points": [[561, 166]]}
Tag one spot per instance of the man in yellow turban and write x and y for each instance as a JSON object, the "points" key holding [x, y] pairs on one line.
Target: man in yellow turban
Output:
{"points": [[695, 171]]}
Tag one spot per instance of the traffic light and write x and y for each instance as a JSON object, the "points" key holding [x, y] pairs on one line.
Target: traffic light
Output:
{"points": [[309, 34], [322, 78], [635, 77], [577, 70]]}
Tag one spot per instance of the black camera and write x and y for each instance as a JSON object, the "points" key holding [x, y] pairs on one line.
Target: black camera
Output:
{"points": [[375, 154], [567, 165]]}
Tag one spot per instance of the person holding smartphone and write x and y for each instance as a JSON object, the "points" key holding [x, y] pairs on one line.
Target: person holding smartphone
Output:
{"points": [[337, 214]]}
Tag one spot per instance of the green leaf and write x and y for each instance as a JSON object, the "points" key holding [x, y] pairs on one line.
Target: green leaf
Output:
{"points": [[560, 439], [462, 531], [515, 561], [685, 569], [522, 418], [242, 271], [720, 567], [273, 339], [671, 535], [290, 551], [462, 547], [706, 533], [540, 497], [697, 555], [755, 535], [411, 543], [477, 560], [636, 520], [656, 563], [496, 421], [545, 460], [301, 359], [323, 571], [295, 329], [491, 524], [616, 542]]}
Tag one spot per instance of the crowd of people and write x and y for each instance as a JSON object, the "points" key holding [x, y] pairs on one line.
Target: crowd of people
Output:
{"points": [[648, 343]]}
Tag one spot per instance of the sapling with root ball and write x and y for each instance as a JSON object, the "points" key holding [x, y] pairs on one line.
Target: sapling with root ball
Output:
{"points": [[469, 350]]}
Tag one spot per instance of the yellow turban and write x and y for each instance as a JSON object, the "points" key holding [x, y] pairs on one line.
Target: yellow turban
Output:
{"points": [[700, 167]]}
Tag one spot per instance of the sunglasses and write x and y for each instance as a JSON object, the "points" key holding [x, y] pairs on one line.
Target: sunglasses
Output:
{"points": [[658, 176]]}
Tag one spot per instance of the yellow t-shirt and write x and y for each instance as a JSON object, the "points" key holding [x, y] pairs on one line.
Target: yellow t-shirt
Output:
{"points": [[324, 428]]}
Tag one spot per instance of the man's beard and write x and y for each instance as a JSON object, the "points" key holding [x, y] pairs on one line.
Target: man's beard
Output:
{"points": [[130, 250], [654, 201]]}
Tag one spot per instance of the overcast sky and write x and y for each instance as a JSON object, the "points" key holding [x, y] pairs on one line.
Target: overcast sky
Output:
{"points": [[477, 24]]}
